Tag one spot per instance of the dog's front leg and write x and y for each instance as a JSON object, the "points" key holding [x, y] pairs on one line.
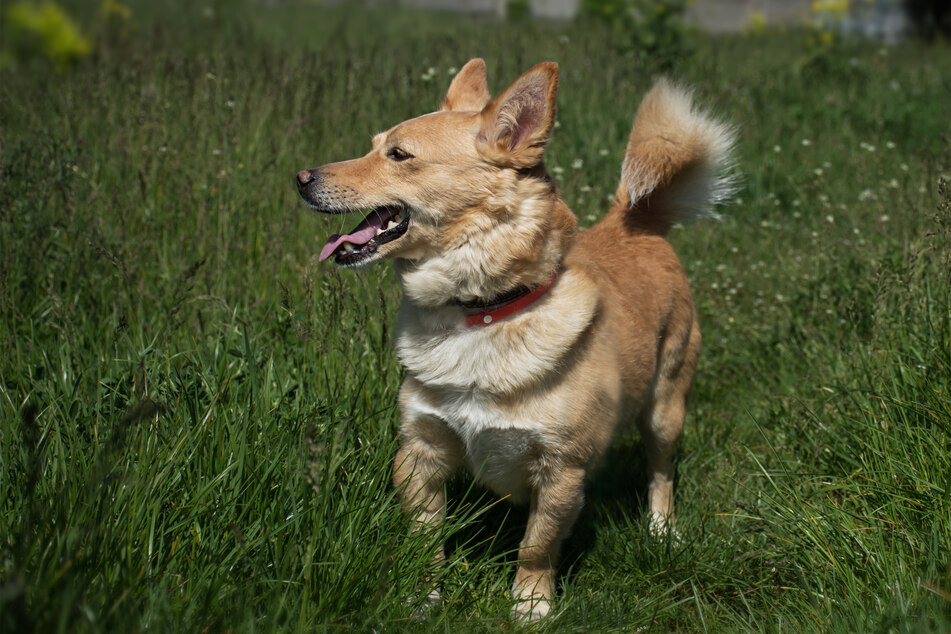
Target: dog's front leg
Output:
{"points": [[429, 454], [556, 501]]}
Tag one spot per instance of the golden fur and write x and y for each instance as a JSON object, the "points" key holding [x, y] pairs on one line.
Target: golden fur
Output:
{"points": [[530, 403]]}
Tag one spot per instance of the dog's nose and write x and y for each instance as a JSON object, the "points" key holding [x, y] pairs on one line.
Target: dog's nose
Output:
{"points": [[304, 177]]}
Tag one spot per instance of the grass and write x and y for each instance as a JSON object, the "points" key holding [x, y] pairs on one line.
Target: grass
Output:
{"points": [[197, 421]]}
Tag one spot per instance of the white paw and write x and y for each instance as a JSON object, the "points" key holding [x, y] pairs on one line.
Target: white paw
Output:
{"points": [[662, 528], [527, 610], [426, 605]]}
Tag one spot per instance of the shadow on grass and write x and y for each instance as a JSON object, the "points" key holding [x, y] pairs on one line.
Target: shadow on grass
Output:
{"points": [[617, 489]]}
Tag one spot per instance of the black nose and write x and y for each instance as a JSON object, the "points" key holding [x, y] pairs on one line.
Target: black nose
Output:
{"points": [[304, 177]]}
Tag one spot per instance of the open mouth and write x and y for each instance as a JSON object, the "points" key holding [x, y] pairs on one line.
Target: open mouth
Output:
{"points": [[382, 225]]}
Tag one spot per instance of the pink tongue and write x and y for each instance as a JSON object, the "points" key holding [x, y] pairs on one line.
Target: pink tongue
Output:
{"points": [[362, 234]]}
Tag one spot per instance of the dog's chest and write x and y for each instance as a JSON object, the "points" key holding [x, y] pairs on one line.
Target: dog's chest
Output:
{"points": [[499, 445]]}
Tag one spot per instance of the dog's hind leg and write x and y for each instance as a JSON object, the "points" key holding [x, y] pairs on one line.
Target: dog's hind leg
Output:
{"points": [[557, 498], [662, 424]]}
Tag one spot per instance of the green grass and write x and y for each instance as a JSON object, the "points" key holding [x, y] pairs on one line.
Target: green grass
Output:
{"points": [[197, 421]]}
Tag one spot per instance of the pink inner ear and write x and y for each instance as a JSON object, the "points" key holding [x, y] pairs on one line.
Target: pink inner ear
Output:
{"points": [[529, 105]]}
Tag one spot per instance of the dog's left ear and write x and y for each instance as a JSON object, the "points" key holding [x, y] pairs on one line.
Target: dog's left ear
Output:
{"points": [[468, 90], [516, 124]]}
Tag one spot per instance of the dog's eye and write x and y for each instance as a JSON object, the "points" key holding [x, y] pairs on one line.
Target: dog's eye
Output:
{"points": [[398, 154]]}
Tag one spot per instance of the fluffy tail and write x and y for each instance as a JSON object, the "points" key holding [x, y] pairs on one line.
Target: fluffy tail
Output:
{"points": [[677, 163]]}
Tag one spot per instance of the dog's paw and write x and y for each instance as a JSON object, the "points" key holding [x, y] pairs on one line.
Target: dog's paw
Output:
{"points": [[529, 610], [427, 604], [661, 528], [532, 602]]}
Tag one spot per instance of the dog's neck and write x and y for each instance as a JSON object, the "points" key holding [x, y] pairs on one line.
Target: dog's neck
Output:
{"points": [[520, 253]]}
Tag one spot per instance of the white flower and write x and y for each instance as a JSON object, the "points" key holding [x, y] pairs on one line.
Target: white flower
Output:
{"points": [[586, 188], [868, 147], [884, 218], [777, 149], [890, 145], [577, 164], [830, 219], [558, 170], [817, 171], [806, 142], [603, 152], [904, 167], [452, 70], [892, 184], [866, 194]]}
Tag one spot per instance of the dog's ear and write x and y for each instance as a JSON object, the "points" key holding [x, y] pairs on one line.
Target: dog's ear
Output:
{"points": [[516, 124], [468, 90]]}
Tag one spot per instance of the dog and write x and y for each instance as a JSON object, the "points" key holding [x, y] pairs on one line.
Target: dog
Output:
{"points": [[527, 343]]}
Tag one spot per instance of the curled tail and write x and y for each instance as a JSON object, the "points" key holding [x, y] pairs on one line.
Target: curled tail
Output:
{"points": [[677, 163]]}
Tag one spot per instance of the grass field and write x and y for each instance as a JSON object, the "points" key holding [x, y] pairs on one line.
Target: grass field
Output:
{"points": [[197, 421]]}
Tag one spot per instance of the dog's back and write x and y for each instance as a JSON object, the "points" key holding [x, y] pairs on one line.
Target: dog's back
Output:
{"points": [[675, 168]]}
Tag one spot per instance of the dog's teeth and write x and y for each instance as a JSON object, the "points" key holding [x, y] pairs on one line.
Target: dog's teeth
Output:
{"points": [[379, 231], [347, 247], [391, 225]]}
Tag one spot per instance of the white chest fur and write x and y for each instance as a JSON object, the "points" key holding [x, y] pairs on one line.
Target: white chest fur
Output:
{"points": [[496, 442], [469, 371]]}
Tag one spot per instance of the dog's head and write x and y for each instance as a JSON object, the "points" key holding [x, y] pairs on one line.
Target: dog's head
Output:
{"points": [[435, 183]]}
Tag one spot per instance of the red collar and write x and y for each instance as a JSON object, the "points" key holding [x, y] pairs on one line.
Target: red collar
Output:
{"points": [[487, 317]]}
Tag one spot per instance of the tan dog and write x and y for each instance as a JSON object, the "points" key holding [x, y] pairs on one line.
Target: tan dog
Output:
{"points": [[526, 343]]}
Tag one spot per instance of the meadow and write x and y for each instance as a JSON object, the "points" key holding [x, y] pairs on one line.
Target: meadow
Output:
{"points": [[197, 421]]}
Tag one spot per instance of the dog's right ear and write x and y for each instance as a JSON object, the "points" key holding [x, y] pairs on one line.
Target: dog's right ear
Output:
{"points": [[468, 90], [516, 124]]}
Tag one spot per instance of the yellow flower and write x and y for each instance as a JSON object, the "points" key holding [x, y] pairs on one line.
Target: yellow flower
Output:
{"points": [[58, 36], [112, 8], [756, 23], [837, 8]]}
